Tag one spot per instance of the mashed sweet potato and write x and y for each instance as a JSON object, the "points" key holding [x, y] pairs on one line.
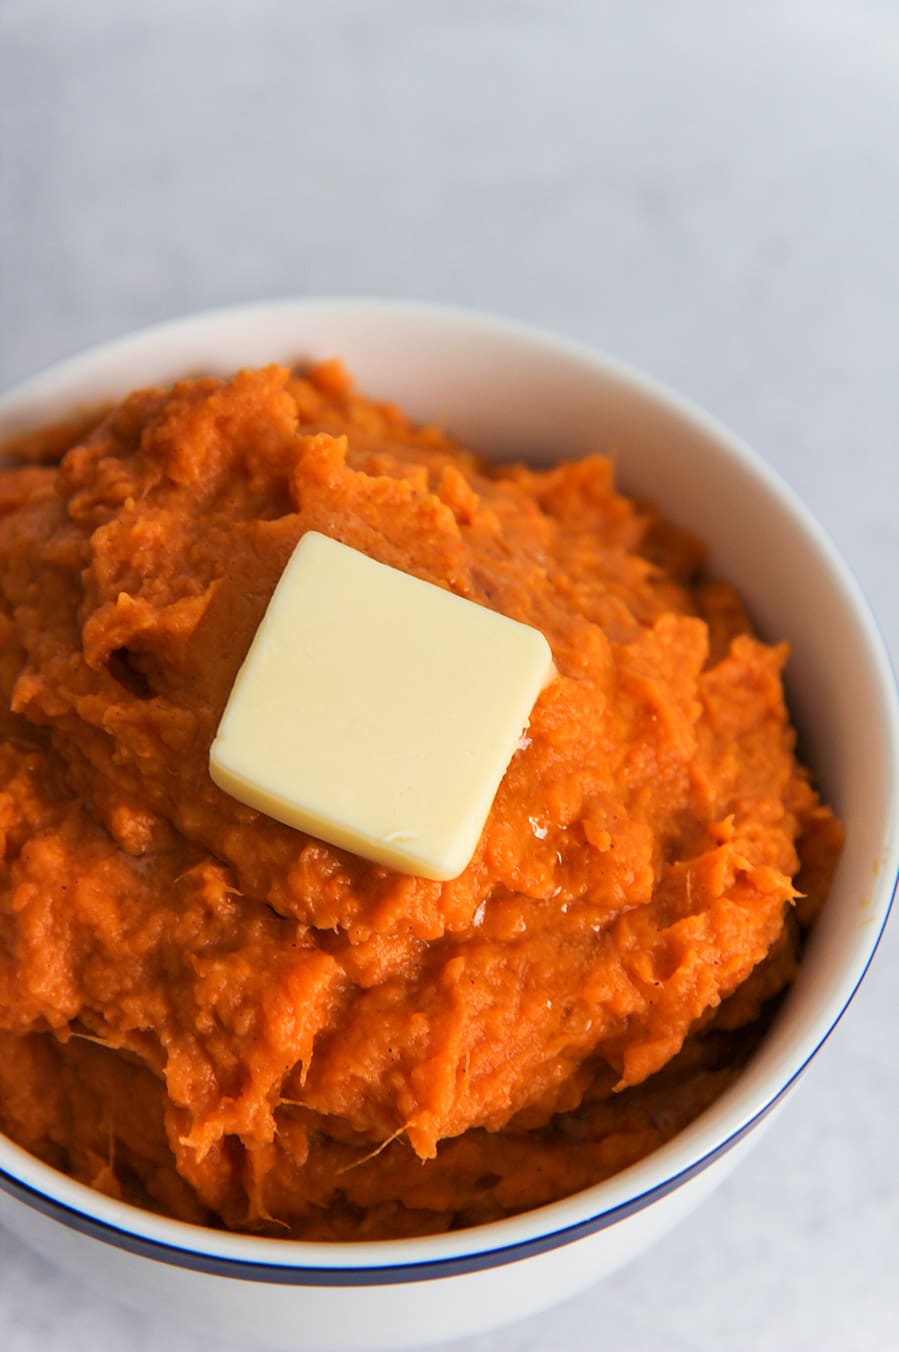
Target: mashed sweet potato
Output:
{"points": [[210, 1014]]}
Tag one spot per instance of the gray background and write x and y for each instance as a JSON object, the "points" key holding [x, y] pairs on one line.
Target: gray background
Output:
{"points": [[708, 189]]}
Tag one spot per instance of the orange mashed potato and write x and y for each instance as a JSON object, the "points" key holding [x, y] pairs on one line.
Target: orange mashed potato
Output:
{"points": [[212, 1015]]}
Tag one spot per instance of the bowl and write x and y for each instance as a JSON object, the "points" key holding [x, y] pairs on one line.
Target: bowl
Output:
{"points": [[512, 392]]}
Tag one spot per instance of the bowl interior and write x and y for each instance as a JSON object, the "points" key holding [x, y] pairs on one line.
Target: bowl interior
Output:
{"points": [[511, 393]]}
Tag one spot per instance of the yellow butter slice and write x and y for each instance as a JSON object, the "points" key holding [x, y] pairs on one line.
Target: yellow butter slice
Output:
{"points": [[378, 712]]}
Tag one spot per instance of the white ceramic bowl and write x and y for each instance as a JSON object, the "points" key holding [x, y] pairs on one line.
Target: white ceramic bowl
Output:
{"points": [[512, 392]]}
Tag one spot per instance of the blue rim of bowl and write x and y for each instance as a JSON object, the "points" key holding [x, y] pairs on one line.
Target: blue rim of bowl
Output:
{"points": [[428, 1269]]}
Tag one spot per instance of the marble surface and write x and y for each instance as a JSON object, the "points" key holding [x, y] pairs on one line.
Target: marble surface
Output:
{"points": [[710, 191]]}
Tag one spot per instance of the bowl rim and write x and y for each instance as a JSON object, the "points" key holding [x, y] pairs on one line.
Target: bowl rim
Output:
{"points": [[601, 1205]]}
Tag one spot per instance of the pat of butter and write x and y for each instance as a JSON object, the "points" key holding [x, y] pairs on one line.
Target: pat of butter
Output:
{"points": [[376, 711]]}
